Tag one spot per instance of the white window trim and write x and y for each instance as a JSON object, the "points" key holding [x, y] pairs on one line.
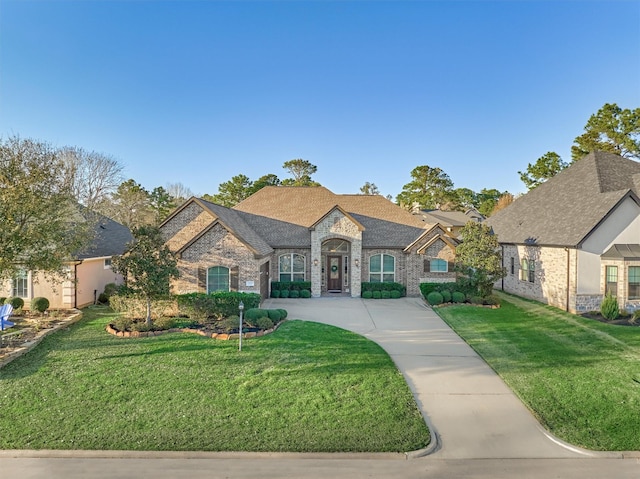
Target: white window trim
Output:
{"points": [[382, 271], [228, 278], [446, 266], [292, 273]]}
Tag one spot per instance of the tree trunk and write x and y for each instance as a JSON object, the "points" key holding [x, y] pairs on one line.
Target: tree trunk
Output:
{"points": [[148, 311]]}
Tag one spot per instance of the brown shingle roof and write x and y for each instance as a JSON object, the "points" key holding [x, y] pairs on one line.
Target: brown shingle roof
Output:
{"points": [[565, 209], [304, 206]]}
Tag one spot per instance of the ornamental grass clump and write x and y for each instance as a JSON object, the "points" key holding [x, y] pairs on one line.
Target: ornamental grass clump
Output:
{"points": [[609, 307]]}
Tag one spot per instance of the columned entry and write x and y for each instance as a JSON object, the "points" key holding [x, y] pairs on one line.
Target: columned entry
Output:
{"points": [[334, 274]]}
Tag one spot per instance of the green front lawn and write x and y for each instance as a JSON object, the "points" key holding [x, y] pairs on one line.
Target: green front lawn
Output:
{"points": [[581, 378], [305, 387]]}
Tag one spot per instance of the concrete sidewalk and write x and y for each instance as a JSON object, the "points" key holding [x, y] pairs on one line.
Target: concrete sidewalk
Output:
{"points": [[468, 408]]}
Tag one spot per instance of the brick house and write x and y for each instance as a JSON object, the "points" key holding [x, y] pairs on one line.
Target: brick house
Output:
{"points": [[575, 236], [336, 242]]}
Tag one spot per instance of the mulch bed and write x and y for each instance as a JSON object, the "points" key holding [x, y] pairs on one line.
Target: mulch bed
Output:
{"points": [[621, 321]]}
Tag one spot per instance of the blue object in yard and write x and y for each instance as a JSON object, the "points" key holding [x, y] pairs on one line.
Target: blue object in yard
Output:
{"points": [[5, 314]]}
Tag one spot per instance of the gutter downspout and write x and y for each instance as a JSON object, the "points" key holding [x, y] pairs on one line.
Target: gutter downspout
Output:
{"points": [[75, 283], [502, 281], [568, 279]]}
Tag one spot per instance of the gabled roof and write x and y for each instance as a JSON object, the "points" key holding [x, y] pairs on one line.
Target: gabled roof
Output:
{"points": [[440, 233], [110, 237], [449, 218], [565, 209], [346, 215]]}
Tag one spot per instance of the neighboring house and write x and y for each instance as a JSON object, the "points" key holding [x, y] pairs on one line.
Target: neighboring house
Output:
{"points": [[85, 277], [452, 221], [575, 236], [336, 242]]}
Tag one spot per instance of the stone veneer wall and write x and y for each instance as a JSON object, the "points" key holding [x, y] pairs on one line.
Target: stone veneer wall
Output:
{"points": [[415, 270], [218, 247], [274, 274], [336, 225], [550, 284]]}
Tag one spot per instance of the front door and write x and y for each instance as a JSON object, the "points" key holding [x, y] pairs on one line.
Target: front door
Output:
{"points": [[334, 273]]}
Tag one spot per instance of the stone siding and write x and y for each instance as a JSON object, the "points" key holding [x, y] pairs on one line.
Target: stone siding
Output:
{"points": [[336, 226], [550, 279]]}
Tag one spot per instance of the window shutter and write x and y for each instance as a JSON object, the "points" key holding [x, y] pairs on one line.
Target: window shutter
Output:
{"points": [[451, 266], [202, 279], [427, 265], [233, 278]]}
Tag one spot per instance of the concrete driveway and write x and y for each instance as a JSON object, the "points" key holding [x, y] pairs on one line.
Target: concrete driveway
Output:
{"points": [[469, 409]]}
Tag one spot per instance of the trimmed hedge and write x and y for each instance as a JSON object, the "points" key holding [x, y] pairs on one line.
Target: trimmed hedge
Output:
{"points": [[219, 303], [367, 294], [458, 297], [136, 307], [368, 286], [290, 285], [15, 301]]}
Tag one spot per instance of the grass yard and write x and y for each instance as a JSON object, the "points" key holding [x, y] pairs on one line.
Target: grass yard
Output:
{"points": [[581, 378], [305, 387]]}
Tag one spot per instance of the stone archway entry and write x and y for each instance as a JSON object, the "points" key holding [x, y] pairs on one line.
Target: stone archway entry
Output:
{"points": [[334, 274]]}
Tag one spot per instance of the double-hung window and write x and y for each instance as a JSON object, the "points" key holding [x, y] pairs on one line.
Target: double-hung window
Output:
{"points": [[21, 285], [634, 282], [611, 282], [528, 270], [292, 267], [382, 268]]}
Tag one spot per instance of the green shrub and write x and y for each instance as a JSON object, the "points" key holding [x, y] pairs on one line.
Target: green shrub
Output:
{"points": [[446, 295], [476, 300], [385, 294], [2, 299], [264, 323], [389, 286], [40, 304], [609, 307], [367, 294], [426, 288], [434, 298], [15, 301], [103, 298], [275, 293], [395, 294], [291, 285], [294, 293], [218, 304], [136, 306], [305, 293], [165, 323], [229, 324], [122, 323], [274, 315], [284, 293], [377, 294], [140, 326], [253, 314], [283, 313], [458, 297], [492, 300]]}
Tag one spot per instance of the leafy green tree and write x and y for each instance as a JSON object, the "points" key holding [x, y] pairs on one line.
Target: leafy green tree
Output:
{"points": [[301, 170], [547, 166], [611, 129], [129, 205], [161, 204], [147, 266], [430, 188], [465, 198], [478, 257], [41, 227], [487, 200], [232, 192], [265, 180], [369, 189]]}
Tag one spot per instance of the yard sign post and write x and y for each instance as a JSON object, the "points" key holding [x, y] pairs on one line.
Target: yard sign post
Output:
{"points": [[241, 308]]}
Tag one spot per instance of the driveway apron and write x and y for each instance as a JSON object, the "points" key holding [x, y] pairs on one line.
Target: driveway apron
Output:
{"points": [[469, 409]]}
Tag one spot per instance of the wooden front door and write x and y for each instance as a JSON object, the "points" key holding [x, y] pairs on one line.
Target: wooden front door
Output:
{"points": [[264, 280], [334, 273]]}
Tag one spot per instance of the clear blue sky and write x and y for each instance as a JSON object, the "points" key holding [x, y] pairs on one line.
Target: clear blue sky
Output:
{"points": [[198, 91]]}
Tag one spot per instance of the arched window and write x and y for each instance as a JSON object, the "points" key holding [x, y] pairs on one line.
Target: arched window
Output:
{"points": [[382, 268], [291, 267], [217, 279]]}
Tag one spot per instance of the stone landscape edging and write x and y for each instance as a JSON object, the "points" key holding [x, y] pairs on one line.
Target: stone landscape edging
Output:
{"points": [[220, 336], [40, 335]]}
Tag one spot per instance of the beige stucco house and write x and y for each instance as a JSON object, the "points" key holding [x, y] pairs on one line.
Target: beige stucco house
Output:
{"points": [[333, 241], [576, 236], [85, 277]]}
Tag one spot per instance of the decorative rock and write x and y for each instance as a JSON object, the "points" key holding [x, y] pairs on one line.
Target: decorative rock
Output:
{"points": [[233, 336], [223, 336], [251, 334]]}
